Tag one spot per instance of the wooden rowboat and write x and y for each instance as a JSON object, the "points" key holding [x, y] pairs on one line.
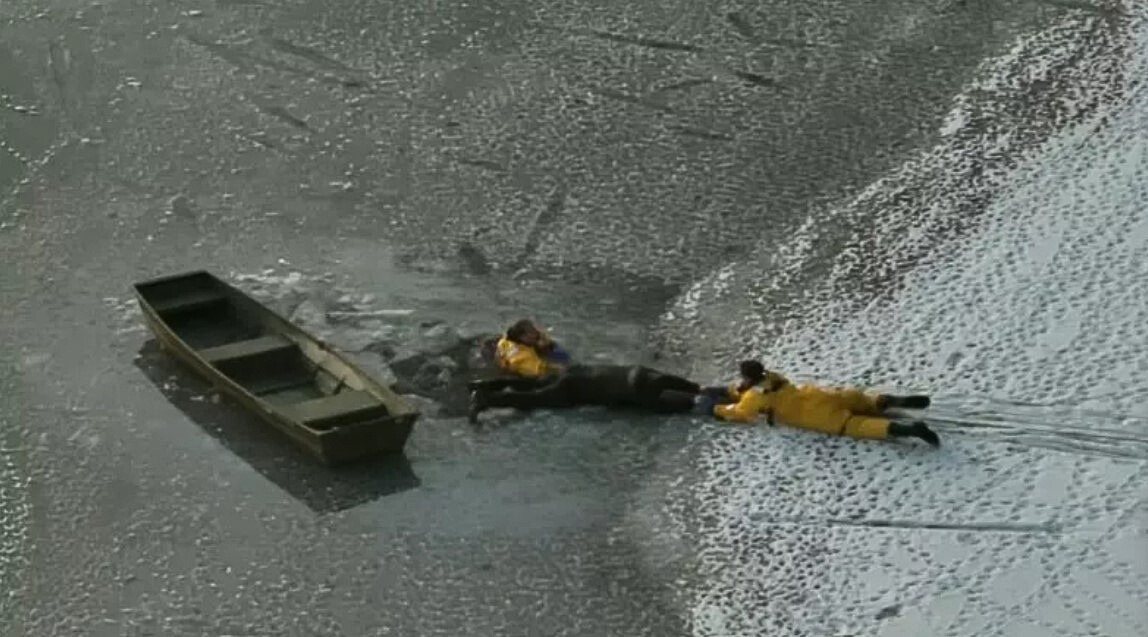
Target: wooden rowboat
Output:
{"points": [[268, 365]]}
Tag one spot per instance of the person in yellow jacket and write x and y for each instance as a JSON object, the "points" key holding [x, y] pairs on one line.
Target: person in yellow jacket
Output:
{"points": [[526, 356], [526, 350], [843, 412]]}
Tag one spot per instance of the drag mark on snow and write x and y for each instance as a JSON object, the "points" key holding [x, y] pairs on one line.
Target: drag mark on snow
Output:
{"points": [[247, 61], [700, 133], [631, 99], [307, 53], [649, 43], [756, 79], [997, 527], [542, 222], [681, 85]]}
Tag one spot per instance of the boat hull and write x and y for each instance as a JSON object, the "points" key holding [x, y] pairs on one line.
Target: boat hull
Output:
{"points": [[352, 440]]}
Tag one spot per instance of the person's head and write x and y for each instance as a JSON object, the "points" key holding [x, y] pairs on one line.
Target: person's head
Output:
{"points": [[752, 372], [526, 332]]}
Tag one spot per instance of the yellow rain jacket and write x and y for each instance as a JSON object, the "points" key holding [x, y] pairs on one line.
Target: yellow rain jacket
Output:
{"points": [[522, 360], [847, 412]]}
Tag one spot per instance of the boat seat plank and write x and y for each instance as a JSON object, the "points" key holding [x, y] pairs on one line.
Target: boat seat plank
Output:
{"points": [[346, 405], [250, 348], [263, 386], [189, 301]]}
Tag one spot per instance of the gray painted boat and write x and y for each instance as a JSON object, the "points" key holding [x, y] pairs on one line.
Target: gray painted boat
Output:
{"points": [[274, 369]]}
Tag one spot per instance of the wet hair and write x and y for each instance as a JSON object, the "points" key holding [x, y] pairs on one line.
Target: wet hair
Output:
{"points": [[520, 329], [753, 371]]}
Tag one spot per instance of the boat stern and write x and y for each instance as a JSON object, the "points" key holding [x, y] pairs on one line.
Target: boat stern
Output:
{"points": [[355, 441]]}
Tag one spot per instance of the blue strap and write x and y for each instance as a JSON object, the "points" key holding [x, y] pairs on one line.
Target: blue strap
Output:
{"points": [[716, 392], [558, 355], [704, 403]]}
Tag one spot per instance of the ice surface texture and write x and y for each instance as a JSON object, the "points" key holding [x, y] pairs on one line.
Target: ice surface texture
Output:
{"points": [[1029, 328], [800, 169]]}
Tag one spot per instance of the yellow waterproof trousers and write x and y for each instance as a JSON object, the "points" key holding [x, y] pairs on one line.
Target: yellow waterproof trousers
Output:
{"points": [[840, 412]]}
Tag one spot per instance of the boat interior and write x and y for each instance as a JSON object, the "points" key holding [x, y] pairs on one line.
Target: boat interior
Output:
{"points": [[239, 338]]}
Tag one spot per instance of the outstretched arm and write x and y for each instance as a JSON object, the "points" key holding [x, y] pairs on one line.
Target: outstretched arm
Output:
{"points": [[550, 350], [753, 401], [524, 361], [549, 394], [722, 394], [558, 355]]}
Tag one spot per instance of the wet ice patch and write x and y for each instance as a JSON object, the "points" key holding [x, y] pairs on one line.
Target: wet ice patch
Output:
{"points": [[281, 290], [400, 346], [125, 314], [347, 319]]}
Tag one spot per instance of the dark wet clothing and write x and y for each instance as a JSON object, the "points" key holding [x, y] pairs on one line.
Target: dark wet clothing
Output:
{"points": [[618, 386], [517, 383]]}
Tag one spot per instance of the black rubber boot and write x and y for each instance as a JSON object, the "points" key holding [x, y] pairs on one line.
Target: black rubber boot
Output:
{"points": [[477, 405], [915, 401], [915, 429]]}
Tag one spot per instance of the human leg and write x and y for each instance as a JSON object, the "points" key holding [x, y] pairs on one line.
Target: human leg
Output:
{"points": [[672, 382], [856, 401], [552, 395], [911, 401], [871, 428], [498, 383], [815, 410], [842, 422], [865, 427], [671, 402], [819, 411], [871, 404], [654, 382], [915, 429]]}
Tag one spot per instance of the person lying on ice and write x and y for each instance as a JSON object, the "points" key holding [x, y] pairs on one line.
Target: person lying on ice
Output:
{"points": [[617, 386], [526, 355], [847, 412], [527, 350]]}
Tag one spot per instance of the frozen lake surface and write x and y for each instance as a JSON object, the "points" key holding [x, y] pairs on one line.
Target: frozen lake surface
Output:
{"points": [[939, 196]]}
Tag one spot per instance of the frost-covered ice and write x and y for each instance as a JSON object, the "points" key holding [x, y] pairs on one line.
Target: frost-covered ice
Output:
{"points": [[14, 502], [1030, 331], [476, 161]]}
